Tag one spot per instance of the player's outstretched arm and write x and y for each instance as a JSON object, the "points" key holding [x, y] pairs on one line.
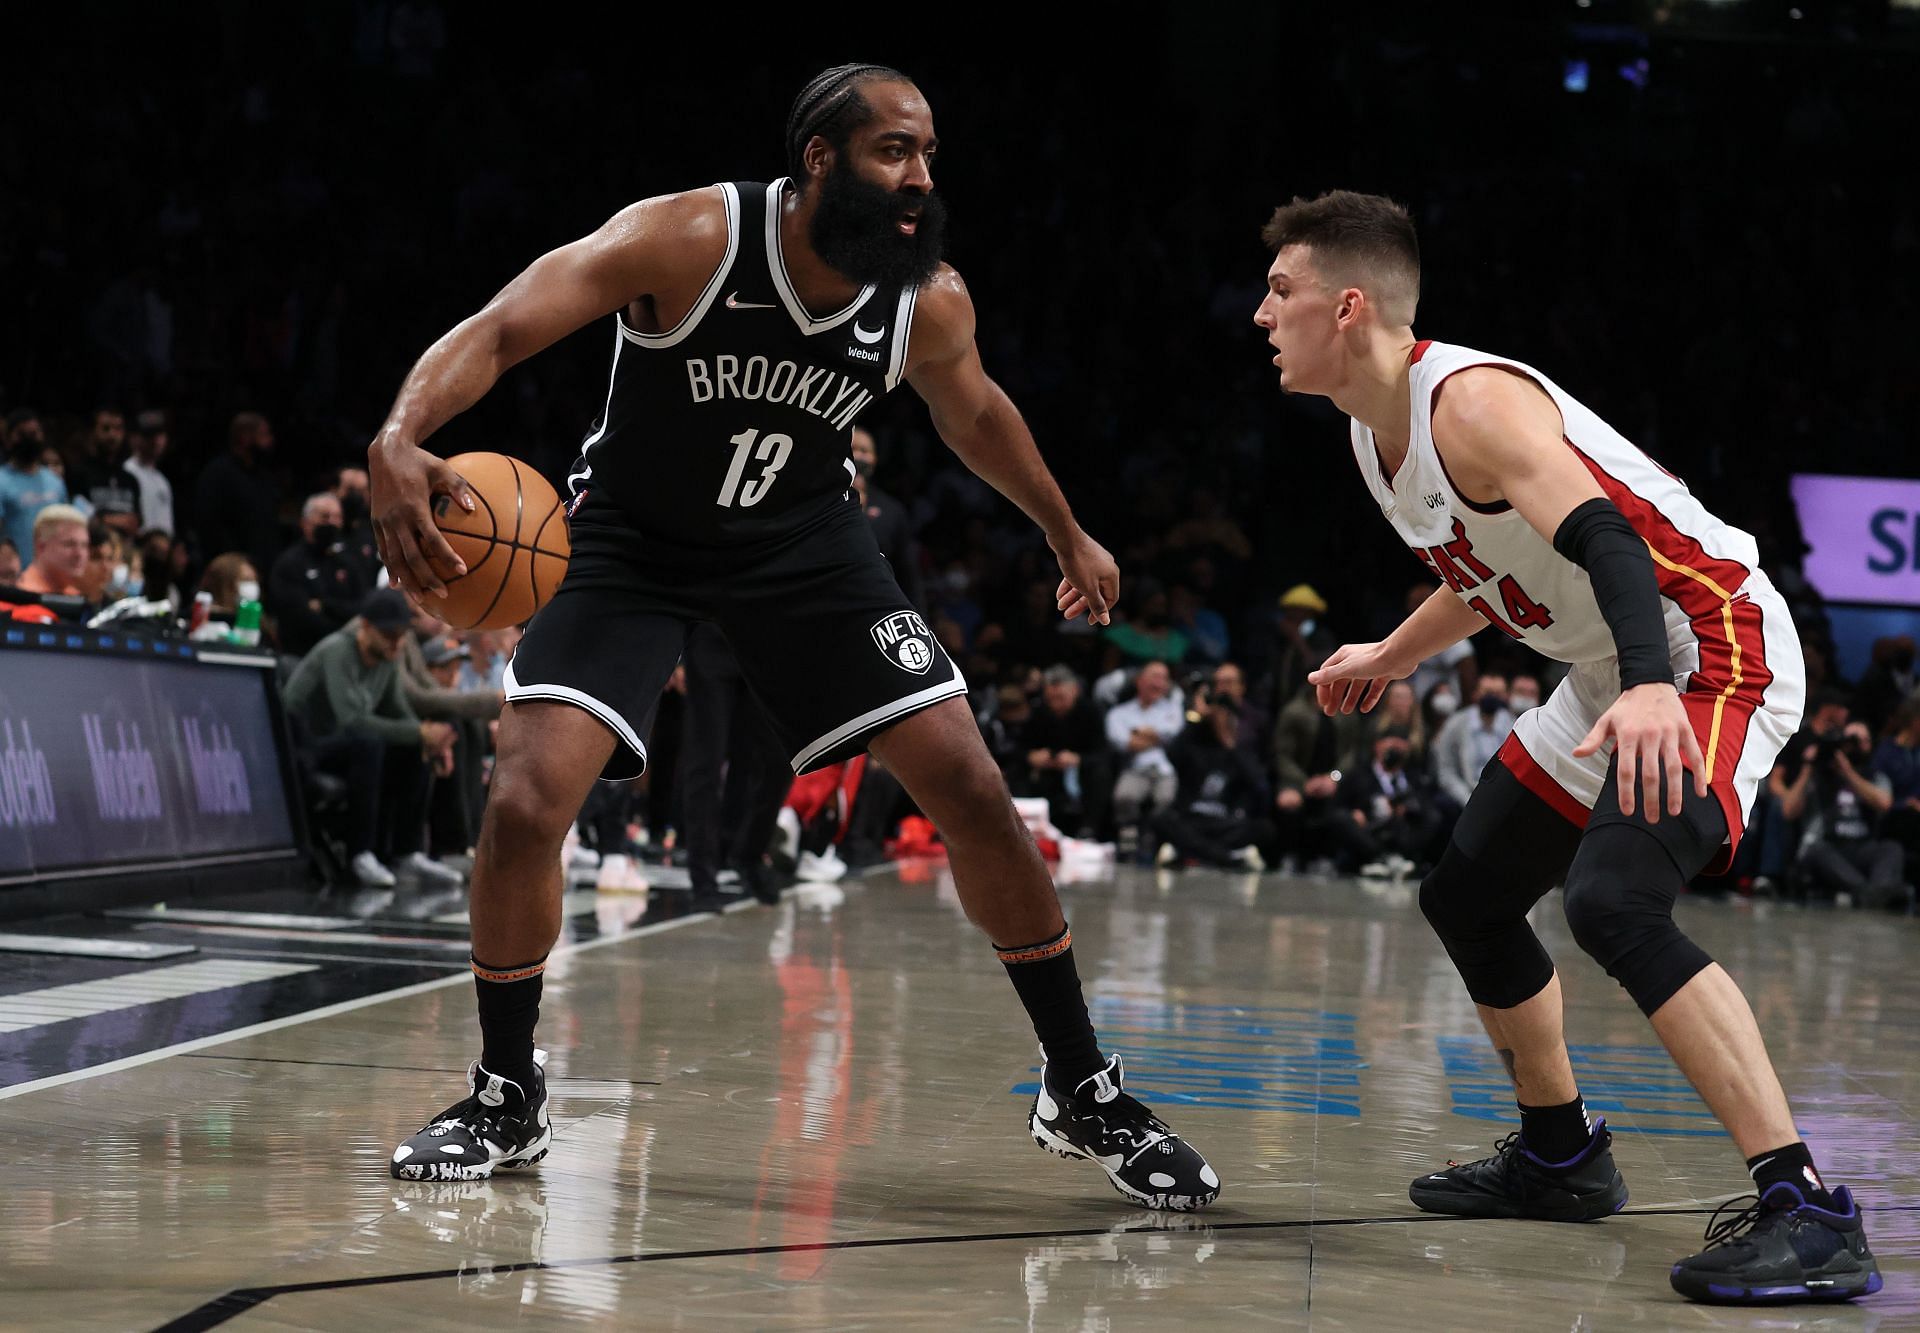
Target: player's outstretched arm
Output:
{"points": [[563, 290], [1357, 674], [1503, 438], [983, 427]]}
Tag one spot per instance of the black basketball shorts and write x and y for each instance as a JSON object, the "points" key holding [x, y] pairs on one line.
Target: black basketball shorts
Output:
{"points": [[826, 639]]}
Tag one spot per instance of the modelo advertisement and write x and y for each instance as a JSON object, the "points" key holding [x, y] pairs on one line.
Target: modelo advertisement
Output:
{"points": [[1865, 535], [112, 761]]}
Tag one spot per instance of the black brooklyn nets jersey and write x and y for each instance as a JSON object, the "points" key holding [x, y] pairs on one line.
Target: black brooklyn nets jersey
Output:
{"points": [[734, 426]]}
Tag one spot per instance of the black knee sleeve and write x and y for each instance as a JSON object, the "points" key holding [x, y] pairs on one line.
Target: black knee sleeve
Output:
{"points": [[1508, 849], [1485, 932], [1620, 895], [1622, 885]]}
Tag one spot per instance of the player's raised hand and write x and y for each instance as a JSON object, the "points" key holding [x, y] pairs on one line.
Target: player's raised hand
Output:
{"points": [[1356, 676], [1091, 580], [1650, 731], [404, 479]]}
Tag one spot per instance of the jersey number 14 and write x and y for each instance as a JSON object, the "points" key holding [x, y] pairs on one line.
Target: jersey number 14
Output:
{"points": [[772, 452]]}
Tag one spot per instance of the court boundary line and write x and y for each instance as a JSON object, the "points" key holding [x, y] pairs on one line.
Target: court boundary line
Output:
{"points": [[240, 1300], [325, 1011]]}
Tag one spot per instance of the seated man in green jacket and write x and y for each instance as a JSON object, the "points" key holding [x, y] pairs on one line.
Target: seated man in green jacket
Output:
{"points": [[348, 698]]}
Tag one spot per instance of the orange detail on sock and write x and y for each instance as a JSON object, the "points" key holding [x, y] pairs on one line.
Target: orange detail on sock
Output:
{"points": [[510, 974], [1038, 953]]}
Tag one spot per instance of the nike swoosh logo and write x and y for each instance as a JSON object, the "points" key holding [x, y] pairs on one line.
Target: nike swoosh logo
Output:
{"points": [[735, 303], [869, 337]]}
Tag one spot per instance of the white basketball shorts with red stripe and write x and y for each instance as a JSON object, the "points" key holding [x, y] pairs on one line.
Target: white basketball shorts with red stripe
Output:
{"points": [[1738, 668]]}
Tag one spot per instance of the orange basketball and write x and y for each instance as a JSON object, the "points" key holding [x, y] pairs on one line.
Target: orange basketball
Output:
{"points": [[514, 542]]}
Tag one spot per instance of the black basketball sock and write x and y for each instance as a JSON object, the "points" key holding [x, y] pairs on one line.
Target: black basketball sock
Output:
{"points": [[1792, 1165], [1049, 985], [509, 1008], [1556, 1134]]}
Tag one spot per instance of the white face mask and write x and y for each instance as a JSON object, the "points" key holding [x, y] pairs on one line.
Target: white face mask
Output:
{"points": [[1306, 627], [1520, 703], [1443, 703]]}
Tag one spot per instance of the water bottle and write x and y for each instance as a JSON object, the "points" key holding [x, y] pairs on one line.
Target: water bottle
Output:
{"points": [[246, 616]]}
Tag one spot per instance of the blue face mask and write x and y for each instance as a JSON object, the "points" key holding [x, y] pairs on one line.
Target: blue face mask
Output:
{"points": [[1307, 627]]}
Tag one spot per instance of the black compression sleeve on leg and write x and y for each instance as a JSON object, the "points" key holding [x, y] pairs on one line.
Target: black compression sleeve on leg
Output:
{"points": [[1597, 537]]}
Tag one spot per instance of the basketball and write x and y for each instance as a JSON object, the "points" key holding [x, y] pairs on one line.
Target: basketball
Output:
{"points": [[514, 543]]}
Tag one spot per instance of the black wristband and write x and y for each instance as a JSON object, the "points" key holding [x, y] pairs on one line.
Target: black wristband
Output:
{"points": [[1597, 537]]}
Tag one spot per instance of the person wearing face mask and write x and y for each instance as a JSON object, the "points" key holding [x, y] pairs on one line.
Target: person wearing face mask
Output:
{"points": [[315, 586], [1305, 640], [350, 486], [26, 484], [1523, 694], [146, 446], [1393, 805], [892, 528], [1470, 738]]}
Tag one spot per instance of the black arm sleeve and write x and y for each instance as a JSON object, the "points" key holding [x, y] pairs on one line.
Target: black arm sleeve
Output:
{"points": [[1597, 537]]}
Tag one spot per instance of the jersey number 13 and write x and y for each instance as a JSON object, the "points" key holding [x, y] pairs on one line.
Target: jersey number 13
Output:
{"points": [[772, 451]]}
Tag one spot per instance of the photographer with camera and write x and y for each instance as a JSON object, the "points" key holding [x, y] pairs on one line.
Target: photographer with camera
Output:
{"points": [[1396, 809], [1222, 786], [1842, 795]]}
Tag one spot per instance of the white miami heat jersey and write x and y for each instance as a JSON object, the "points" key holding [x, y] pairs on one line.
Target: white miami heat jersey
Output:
{"points": [[1496, 563]]}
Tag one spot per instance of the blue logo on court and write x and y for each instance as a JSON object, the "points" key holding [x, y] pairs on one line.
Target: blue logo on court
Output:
{"points": [[1247, 1058]]}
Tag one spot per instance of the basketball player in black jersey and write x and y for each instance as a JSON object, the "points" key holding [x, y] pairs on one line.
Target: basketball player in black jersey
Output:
{"points": [[752, 324]]}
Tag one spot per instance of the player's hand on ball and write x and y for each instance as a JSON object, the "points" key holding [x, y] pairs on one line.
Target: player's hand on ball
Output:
{"points": [[1091, 582], [1356, 676], [404, 480], [1650, 731]]}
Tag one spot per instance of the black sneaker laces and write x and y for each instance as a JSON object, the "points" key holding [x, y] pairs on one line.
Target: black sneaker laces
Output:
{"points": [[1732, 1230], [1503, 1151]]}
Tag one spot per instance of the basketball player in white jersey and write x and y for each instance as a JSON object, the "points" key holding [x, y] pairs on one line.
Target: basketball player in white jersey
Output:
{"points": [[1686, 680]]}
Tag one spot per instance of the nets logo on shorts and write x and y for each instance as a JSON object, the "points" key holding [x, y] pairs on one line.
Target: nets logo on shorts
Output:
{"points": [[906, 641]]}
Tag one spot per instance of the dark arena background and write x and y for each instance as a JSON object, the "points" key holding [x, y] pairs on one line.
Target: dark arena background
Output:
{"points": [[227, 232]]}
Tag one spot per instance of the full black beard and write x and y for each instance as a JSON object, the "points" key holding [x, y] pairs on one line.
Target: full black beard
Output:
{"points": [[855, 228]]}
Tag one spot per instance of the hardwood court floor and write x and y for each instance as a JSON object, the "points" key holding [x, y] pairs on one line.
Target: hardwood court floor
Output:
{"points": [[811, 1116]]}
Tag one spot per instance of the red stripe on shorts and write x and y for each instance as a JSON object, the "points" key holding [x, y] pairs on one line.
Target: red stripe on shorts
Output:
{"points": [[1540, 782]]}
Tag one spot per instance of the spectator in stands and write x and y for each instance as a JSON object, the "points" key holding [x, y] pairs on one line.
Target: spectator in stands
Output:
{"points": [[1228, 684], [146, 446], [1398, 708], [491, 650], [892, 527], [1897, 759], [9, 562], [237, 501], [315, 586], [1149, 634], [351, 488], [1305, 640], [1004, 730], [1313, 754], [1523, 694], [223, 576], [1067, 760], [1843, 799], [354, 721], [27, 485], [158, 573], [1393, 804], [1206, 631], [1453, 666], [60, 549], [430, 661], [1470, 738], [93, 457], [1886, 682], [104, 577], [1138, 730], [1217, 816]]}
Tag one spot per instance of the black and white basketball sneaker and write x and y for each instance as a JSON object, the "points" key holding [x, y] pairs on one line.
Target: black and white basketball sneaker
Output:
{"points": [[1516, 1183], [1779, 1248], [1146, 1161], [499, 1126]]}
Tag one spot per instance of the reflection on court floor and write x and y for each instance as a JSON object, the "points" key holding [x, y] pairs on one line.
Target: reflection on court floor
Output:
{"points": [[812, 1116]]}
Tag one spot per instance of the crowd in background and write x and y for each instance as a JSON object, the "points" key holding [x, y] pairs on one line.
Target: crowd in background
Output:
{"points": [[204, 330]]}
